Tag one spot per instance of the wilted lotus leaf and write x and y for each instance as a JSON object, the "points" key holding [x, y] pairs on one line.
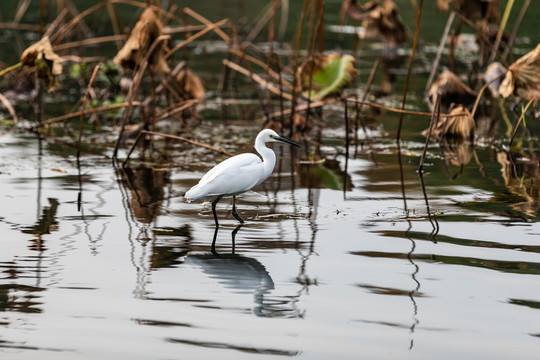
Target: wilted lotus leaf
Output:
{"points": [[46, 62], [190, 84], [451, 89], [325, 74], [460, 126], [523, 77], [147, 29], [383, 20]]}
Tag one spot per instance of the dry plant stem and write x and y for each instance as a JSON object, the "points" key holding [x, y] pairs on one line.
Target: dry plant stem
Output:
{"points": [[144, 5], [22, 27], [481, 92], [10, 108], [440, 50], [225, 152], [366, 92], [295, 61], [93, 41], [195, 36], [21, 10], [275, 75], [257, 78], [66, 28], [433, 122], [303, 107], [406, 88], [205, 21], [137, 140], [347, 140], [83, 103], [481, 35], [135, 88], [400, 111], [268, 13], [184, 29], [504, 20], [520, 120], [187, 104], [56, 22], [516, 28], [89, 111], [114, 22]]}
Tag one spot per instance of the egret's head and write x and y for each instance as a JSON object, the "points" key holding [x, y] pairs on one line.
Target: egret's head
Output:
{"points": [[268, 135]]}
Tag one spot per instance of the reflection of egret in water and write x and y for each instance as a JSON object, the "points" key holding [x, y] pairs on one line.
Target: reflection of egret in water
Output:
{"points": [[237, 274], [244, 275]]}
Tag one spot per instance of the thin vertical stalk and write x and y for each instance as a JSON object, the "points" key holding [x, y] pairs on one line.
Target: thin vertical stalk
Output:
{"points": [[520, 120], [516, 28], [432, 123], [295, 62], [415, 42], [504, 20], [449, 23]]}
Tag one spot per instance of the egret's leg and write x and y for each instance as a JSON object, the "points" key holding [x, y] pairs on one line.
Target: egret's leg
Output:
{"points": [[235, 214], [233, 235], [214, 203], [214, 242]]}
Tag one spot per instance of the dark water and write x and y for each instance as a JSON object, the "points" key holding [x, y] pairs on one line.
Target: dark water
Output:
{"points": [[386, 269]]}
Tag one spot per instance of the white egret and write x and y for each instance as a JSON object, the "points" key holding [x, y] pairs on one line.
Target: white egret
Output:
{"points": [[238, 174]]}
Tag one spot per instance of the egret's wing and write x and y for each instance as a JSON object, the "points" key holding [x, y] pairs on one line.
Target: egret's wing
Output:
{"points": [[232, 176]]}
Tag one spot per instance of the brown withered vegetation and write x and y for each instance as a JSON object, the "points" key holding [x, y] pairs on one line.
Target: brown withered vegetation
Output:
{"points": [[292, 85], [45, 61], [473, 9], [143, 35], [460, 125], [380, 19], [190, 85], [452, 91], [523, 77]]}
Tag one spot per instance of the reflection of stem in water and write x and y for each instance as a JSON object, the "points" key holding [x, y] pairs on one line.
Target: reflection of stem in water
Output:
{"points": [[140, 282], [415, 290], [40, 247], [433, 221]]}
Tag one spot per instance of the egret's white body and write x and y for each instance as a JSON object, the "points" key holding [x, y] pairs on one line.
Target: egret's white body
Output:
{"points": [[238, 174]]}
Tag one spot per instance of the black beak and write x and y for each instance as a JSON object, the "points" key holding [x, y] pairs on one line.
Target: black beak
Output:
{"points": [[286, 141]]}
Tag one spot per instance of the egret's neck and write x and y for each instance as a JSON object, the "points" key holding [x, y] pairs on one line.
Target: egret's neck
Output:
{"points": [[268, 156]]}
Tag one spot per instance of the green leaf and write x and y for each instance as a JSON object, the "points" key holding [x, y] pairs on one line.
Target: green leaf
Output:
{"points": [[326, 75]]}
